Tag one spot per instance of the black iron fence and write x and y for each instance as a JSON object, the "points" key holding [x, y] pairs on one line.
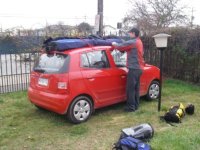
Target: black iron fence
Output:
{"points": [[181, 61], [15, 71]]}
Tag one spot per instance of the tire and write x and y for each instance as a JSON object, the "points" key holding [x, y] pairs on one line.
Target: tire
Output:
{"points": [[80, 109], [40, 108], [153, 90]]}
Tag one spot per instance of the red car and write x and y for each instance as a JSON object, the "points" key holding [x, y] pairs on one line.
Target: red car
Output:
{"points": [[78, 81]]}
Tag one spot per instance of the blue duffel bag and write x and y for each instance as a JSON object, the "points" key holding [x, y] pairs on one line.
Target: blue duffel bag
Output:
{"points": [[130, 143]]}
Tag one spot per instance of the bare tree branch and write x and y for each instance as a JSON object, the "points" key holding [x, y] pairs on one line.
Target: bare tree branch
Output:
{"points": [[155, 14]]}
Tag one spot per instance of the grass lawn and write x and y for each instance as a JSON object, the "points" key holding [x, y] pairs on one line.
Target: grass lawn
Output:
{"points": [[24, 127]]}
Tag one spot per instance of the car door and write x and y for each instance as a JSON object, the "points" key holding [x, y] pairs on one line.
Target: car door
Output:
{"points": [[106, 84], [120, 61]]}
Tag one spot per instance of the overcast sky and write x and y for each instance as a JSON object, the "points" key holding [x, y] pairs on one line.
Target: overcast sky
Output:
{"points": [[37, 13]]}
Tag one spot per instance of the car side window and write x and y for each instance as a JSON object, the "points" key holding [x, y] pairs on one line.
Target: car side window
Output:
{"points": [[95, 59], [119, 58], [84, 61]]}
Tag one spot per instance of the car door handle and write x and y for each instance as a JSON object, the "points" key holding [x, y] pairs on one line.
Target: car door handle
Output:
{"points": [[123, 76], [90, 78]]}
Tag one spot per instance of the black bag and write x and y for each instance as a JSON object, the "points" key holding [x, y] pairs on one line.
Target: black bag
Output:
{"points": [[190, 109], [175, 114]]}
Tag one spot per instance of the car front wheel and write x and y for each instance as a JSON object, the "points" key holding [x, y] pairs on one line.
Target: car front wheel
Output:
{"points": [[154, 90], [80, 109]]}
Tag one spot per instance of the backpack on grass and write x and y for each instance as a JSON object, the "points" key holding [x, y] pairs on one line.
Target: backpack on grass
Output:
{"points": [[174, 114], [134, 138], [142, 132], [130, 143], [189, 109]]}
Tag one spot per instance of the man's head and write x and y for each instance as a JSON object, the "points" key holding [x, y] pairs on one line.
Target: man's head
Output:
{"points": [[134, 32]]}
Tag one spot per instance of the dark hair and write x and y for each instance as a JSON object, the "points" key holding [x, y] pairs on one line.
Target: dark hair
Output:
{"points": [[136, 31]]}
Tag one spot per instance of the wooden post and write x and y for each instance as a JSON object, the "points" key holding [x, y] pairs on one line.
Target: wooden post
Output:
{"points": [[100, 13]]}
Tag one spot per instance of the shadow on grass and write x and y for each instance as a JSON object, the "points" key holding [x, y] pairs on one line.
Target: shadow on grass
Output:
{"points": [[52, 117], [61, 120], [119, 107], [115, 107]]}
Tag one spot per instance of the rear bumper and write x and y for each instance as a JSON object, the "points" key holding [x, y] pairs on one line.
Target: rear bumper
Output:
{"points": [[54, 102]]}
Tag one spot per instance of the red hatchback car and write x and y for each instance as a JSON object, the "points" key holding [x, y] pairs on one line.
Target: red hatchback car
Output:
{"points": [[78, 81]]}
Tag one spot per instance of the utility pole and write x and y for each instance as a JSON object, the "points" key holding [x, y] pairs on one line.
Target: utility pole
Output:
{"points": [[100, 13], [85, 17], [192, 19], [46, 29], [1, 28]]}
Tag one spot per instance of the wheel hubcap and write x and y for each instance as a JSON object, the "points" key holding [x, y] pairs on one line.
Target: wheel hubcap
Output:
{"points": [[154, 91], [81, 110]]}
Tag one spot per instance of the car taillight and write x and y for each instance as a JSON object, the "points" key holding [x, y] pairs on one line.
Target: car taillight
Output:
{"points": [[62, 85]]}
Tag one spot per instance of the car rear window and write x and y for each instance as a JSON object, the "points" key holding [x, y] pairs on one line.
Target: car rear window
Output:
{"points": [[52, 63]]}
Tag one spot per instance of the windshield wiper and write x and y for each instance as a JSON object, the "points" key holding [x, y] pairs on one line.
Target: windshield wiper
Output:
{"points": [[39, 70]]}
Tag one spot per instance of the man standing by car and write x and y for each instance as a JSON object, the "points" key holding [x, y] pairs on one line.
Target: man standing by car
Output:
{"points": [[135, 65]]}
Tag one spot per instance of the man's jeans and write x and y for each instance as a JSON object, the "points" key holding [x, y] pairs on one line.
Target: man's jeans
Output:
{"points": [[133, 89]]}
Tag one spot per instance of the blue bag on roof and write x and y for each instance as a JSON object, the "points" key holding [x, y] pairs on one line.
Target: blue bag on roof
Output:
{"points": [[72, 43], [117, 40], [101, 42], [65, 44]]}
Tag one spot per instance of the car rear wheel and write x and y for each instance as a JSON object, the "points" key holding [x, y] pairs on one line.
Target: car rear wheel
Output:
{"points": [[80, 109], [153, 91], [40, 108]]}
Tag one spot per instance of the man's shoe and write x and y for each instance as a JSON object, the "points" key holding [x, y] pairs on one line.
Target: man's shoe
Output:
{"points": [[129, 110]]}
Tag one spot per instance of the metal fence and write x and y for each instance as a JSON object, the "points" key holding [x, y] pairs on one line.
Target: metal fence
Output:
{"points": [[15, 71], [178, 63], [181, 59]]}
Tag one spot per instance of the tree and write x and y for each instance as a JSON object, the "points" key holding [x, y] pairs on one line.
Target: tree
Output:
{"points": [[61, 29], [84, 28], [155, 14], [58, 30]]}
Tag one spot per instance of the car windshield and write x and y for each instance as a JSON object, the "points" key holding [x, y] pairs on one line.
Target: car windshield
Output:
{"points": [[52, 63]]}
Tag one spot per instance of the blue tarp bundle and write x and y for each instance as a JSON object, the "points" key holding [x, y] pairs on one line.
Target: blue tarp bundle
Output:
{"points": [[66, 44]]}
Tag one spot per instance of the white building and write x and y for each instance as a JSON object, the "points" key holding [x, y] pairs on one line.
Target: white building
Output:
{"points": [[109, 30]]}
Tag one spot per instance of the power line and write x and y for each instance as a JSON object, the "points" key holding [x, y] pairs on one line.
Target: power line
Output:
{"points": [[49, 17]]}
